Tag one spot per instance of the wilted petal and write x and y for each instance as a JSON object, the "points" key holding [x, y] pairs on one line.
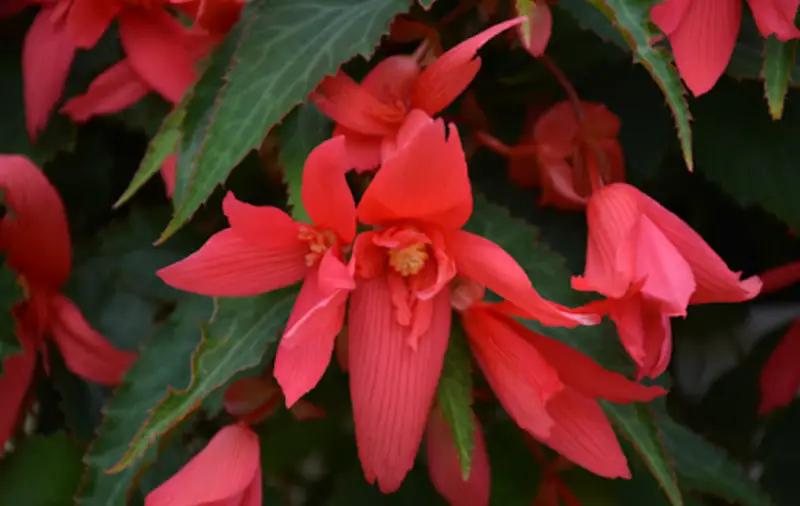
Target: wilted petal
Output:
{"points": [[780, 377], [391, 385], [226, 472], [118, 88], [444, 465]]}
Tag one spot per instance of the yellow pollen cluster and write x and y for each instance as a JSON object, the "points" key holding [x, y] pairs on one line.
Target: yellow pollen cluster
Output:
{"points": [[409, 260], [318, 243]]}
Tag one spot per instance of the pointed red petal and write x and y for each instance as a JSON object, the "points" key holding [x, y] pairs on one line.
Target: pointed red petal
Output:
{"points": [[776, 17], [450, 74], [486, 263], [157, 48], [14, 383], [118, 88], [228, 469], [426, 181], [46, 41], [88, 20], [582, 434], [34, 230], [391, 385], [780, 377], [521, 378], [325, 192], [444, 465]]}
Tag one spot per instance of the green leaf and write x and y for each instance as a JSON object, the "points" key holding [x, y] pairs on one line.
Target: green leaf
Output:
{"points": [[631, 19], [41, 471], [455, 397], [706, 468], [547, 269], [303, 130], [283, 49], [163, 365], [778, 63], [240, 333], [10, 294]]}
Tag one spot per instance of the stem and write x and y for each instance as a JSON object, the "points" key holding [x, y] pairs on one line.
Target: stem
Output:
{"points": [[451, 16], [419, 53], [502, 148], [565, 84]]}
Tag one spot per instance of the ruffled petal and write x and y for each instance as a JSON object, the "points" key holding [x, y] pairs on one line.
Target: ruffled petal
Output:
{"points": [[228, 468], [157, 48], [776, 17], [645, 333], [230, 266], [780, 377], [86, 352], [14, 383], [444, 465], [47, 40], [486, 263], [118, 88], [325, 192], [88, 20], [426, 181], [391, 385], [519, 375], [34, 230], [702, 39], [449, 75], [582, 433]]}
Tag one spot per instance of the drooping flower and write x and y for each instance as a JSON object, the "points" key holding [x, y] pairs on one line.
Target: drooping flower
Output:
{"points": [[651, 265], [703, 33], [35, 237], [399, 316], [549, 389], [444, 465], [264, 250], [371, 113]]}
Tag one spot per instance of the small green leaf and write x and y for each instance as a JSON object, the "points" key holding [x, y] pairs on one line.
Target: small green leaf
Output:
{"points": [[239, 334], [455, 397], [304, 129], [10, 294], [163, 365], [278, 53], [778, 63], [41, 471]]}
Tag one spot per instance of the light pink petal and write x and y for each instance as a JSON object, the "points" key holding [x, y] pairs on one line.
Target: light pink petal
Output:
{"points": [[14, 383], [46, 41], [391, 385], [444, 465], [582, 433], [88, 20], [228, 468], [156, 45], [86, 352], [780, 377], [118, 88]]}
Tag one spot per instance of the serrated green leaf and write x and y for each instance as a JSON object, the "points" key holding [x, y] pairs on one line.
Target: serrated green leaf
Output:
{"points": [[547, 269], [41, 471], [590, 18], [778, 63], [455, 397], [303, 130], [163, 365], [10, 294], [284, 49], [631, 19], [240, 333]]}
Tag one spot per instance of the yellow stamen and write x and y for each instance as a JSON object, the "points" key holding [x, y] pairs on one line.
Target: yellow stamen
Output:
{"points": [[318, 243], [409, 260]]}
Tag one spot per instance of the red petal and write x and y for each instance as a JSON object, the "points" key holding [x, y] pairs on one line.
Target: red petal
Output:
{"points": [[392, 80], [404, 188], [556, 131], [540, 27], [776, 17], [391, 385], [702, 38], [450, 74], [227, 471], [558, 188], [780, 377], [363, 151], [781, 277], [34, 231], [415, 121], [486, 263], [157, 48], [325, 193], [86, 353], [14, 383], [645, 332], [168, 171], [582, 434], [248, 397], [444, 465], [46, 41], [88, 20], [11, 7], [217, 17], [521, 378], [353, 106], [118, 88]]}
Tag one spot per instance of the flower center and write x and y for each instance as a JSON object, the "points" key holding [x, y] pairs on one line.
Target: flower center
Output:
{"points": [[409, 260], [318, 243]]}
